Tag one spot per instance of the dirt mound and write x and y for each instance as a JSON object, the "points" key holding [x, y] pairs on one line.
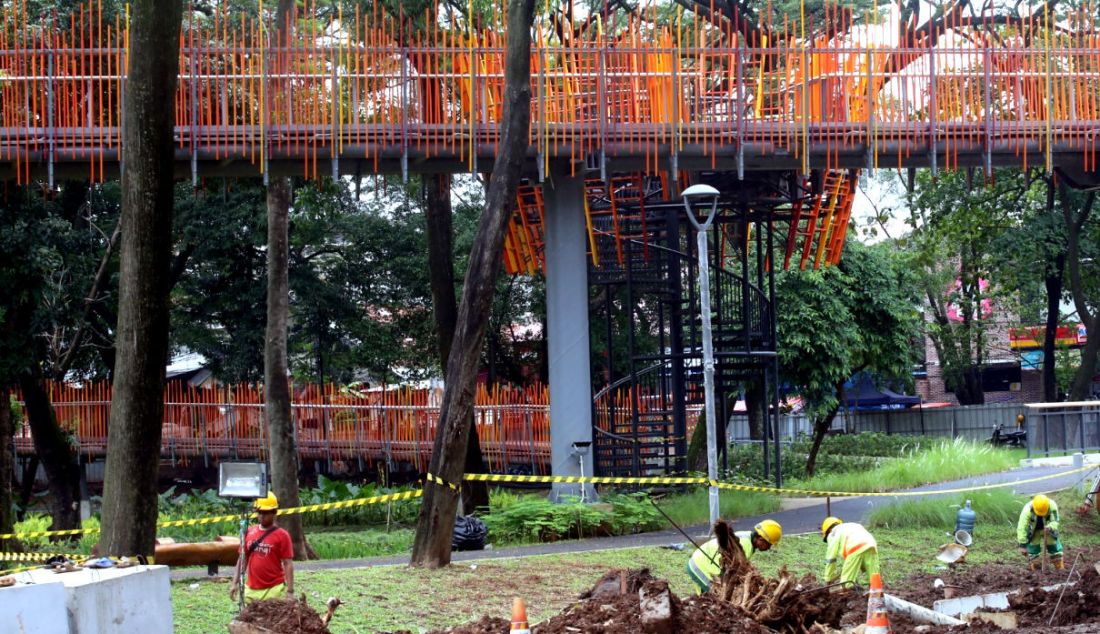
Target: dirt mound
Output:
{"points": [[284, 616], [972, 580], [622, 614], [618, 581], [614, 606], [1079, 603]]}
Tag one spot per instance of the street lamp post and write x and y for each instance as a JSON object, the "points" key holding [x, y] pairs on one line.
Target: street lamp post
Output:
{"points": [[704, 192]]}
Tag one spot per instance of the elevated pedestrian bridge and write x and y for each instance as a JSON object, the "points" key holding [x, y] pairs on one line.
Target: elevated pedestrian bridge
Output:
{"points": [[364, 96]]}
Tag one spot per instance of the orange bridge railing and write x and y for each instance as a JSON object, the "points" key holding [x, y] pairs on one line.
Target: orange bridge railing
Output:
{"points": [[368, 427], [364, 93]]}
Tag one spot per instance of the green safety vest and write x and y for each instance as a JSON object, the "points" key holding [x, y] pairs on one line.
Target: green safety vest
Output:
{"points": [[707, 559]]}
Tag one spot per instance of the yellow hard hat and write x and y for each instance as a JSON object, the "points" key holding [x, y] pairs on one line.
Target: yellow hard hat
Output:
{"points": [[770, 530], [269, 503], [828, 524], [1041, 505]]}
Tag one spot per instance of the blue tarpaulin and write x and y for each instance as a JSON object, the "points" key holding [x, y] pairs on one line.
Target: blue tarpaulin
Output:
{"points": [[863, 395]]}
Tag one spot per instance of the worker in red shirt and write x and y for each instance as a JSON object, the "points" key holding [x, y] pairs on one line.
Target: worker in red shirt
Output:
{"points": [[268, 557]]}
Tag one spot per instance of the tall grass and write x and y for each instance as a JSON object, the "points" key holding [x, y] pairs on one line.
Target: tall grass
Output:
{"points": [[947, 460], [997, 507], [693, 507]]}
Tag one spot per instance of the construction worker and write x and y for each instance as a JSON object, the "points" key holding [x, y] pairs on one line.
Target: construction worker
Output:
{"points": [[267, 555], [1038, 525], [853, 545], [704, 565]]}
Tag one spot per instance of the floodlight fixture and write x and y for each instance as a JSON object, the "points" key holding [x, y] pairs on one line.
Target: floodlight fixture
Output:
{"points": [[242, 479]]}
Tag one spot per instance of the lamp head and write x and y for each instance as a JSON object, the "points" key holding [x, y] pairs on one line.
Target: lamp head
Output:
{"points": [[699, 190], [703, 191]]}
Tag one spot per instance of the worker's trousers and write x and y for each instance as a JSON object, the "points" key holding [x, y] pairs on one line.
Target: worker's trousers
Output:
{"points": [[858, 563], [264, 594], [700, 579], [1035, 548]]}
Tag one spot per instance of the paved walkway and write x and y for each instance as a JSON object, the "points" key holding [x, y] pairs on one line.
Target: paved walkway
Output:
{"points": [[803, 516]]}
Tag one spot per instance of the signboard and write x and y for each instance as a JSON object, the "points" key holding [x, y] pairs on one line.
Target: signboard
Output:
{"points": [[1031, 337]]}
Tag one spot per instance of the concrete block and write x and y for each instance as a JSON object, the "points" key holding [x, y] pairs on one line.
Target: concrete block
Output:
{"points": [[656, 608], [1003, 620], [114, 600], [33, 608]]}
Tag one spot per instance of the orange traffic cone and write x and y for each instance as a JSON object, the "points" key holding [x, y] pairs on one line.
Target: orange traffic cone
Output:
{"points": [[877, 622], [519, 617]]}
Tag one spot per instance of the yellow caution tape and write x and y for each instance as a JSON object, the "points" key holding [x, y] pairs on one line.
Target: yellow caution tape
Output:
{"points": [[440, 481], [32, 556], [309, 508], [730, 486], [488, 477], [347, 504]]}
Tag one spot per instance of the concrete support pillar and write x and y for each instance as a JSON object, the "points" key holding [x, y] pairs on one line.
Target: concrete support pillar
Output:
{"points": [[567, 330]]}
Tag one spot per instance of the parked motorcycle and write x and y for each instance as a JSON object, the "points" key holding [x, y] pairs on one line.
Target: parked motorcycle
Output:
{"points": [[1002, 438]]}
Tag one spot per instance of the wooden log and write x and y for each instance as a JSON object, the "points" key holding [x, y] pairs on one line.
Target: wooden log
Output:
{"points": [[222, 552]]}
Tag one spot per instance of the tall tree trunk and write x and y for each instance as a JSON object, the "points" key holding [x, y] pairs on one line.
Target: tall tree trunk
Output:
{"points": [[1075, 224], [55, 451], [821, 427], [7, 470], [432, 544], [1053, 283], [441, 276], [280, 423], [137, 407], [756, 408]]}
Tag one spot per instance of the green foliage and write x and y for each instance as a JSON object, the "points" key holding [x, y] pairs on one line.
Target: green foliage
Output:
{"points": [[840, 320], [533, 518], [328, 490], [994, 507], [842, 453], [360, 543], [692, 507]]}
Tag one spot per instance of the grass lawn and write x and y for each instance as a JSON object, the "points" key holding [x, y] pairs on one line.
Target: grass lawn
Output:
{"points": [[398, 597]]}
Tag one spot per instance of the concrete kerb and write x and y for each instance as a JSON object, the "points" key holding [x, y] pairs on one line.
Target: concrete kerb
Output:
{"points": [[1059, 461]]}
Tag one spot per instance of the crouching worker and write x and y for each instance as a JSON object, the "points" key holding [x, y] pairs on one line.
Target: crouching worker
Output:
{"points": [[705, 563], [267, 557], [1038, 525], [850, 545]]}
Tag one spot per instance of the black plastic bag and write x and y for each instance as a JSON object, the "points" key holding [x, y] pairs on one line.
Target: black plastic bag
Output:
{"points": [[469, 533]]}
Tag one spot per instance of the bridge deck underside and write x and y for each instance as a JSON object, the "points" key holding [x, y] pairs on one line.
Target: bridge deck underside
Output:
{"points": [[377, 149]]}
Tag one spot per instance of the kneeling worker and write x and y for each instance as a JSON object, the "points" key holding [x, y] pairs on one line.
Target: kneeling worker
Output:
{"points": [[704, 565], [853, 545], [268, 557], [1038, 525]]}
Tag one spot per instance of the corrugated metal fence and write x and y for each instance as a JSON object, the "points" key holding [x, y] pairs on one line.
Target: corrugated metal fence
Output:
{"points": [[975, 422]]}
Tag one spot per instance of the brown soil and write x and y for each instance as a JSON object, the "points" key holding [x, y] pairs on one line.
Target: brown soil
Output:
{"points": [[621, 615], [1078, 613], [612, 606], [285, 616], [1079, 603], [617, 582], [972, 580]]}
